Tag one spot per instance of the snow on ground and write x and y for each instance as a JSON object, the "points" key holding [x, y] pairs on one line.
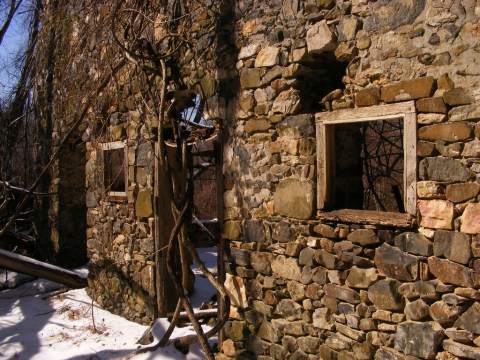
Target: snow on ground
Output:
{"points": [[69, 326]]}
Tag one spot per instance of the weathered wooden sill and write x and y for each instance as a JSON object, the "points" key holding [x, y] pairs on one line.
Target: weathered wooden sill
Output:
{"points": [[117, 197], [369, 217]]}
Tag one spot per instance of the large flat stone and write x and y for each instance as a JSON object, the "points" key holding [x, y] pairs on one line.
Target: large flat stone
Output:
{"points": [[289, 310], [248, 51], [445, 314], [464, 113], [286, 268], [385, 296], [458, 96], [294, 198], [287, 102], [367, 97], [322, 319], [417, 310], [257, 125], [143, 203], [461, 350], [450, 272], [417, 88], [455, 246], [363, 237], [386, 15], [453, 131], [419, 339], [261, 262], [236, 290], [470, 319], [462, 192], [268, 56], [443, 170], [395, 263], [431, 105], [250, 78], [361, 278], [342, 293], [414, 243], [472, 149]]}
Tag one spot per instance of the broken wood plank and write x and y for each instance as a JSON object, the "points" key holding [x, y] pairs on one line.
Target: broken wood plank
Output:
{"points": [[371, 217], [40, 269], [199, 314]]}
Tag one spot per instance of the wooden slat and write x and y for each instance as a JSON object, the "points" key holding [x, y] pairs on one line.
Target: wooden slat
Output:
{"points": [[321, 166], [410, 163], [371, 113], [369, 217]]}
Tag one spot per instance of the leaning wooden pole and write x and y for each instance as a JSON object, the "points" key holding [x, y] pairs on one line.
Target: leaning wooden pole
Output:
{"points": [[37, 268]]}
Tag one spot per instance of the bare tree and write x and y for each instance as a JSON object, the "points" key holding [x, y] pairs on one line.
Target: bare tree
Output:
{"points": [[149, 45], [9, 8]]}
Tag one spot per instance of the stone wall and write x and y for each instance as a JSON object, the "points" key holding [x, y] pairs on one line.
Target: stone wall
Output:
{"points": [[120, 230], [303, 288]]}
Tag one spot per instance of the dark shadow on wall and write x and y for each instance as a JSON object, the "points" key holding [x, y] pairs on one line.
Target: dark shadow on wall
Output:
{"points": [[71, 217]]}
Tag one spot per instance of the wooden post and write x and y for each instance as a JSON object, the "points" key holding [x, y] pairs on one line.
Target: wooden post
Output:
{"points": [[219, 230], [164, 222]]}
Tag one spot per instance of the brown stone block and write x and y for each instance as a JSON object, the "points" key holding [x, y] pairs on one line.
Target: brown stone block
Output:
{"points": [[256, 125], [426, 148], [250, 78], [143, 204], [461, 350], [458, 96], [447, 132], [431, 105], [367, 97], [462, 192], [450, 273], [444, 82], [417, 88], [395, 263]]}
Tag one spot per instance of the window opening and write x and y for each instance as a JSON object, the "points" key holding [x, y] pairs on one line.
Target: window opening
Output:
{"points": [[114, 168], [367, 159]]}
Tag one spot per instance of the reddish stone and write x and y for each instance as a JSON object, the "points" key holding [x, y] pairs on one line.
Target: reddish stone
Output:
{"points": [[471, 219], [436, 214]]}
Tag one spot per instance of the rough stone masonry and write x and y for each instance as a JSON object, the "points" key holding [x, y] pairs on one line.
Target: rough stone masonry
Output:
{"points": [[306, 288], [305, 285]]}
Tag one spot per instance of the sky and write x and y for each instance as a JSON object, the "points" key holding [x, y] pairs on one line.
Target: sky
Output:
{"points": [[15, 37]]}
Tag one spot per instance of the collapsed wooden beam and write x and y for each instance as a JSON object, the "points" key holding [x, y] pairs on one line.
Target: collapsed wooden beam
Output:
{"points": [[40, 269]]}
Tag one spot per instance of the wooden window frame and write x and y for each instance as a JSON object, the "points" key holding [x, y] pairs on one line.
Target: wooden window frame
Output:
{"points": [[112, 195], [325, 123]]}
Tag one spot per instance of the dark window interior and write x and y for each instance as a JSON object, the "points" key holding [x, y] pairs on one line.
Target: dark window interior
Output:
{"points": [[114, 170], [369, 161]]}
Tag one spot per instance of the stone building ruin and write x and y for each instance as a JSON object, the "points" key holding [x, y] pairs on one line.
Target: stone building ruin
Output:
{"points": [[350, 170]]}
